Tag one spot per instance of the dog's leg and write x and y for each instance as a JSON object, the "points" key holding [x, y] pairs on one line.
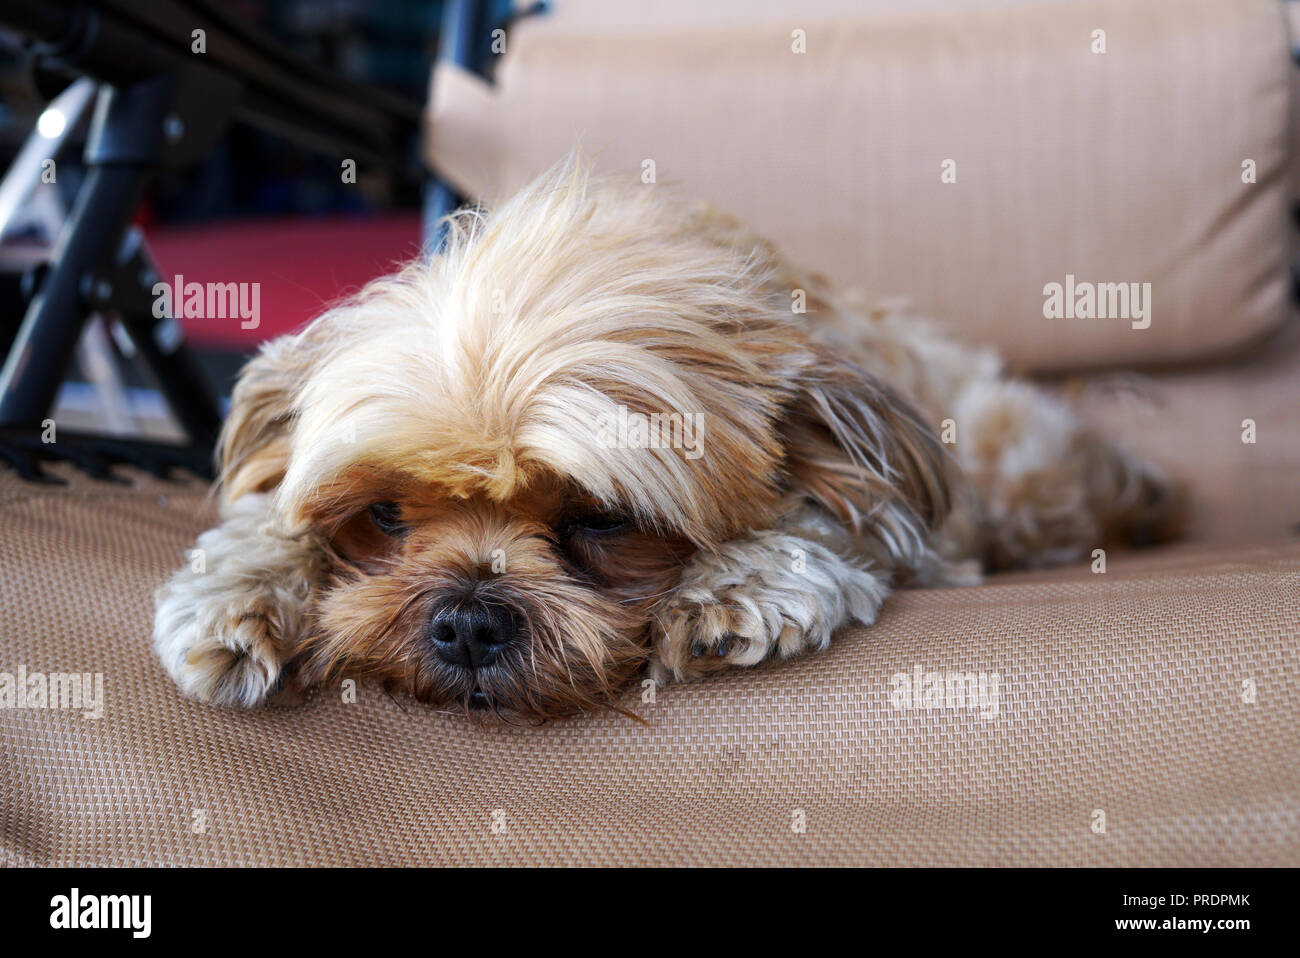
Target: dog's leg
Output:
{"points": [[226, 622], [780, 591], [1050, 489]]}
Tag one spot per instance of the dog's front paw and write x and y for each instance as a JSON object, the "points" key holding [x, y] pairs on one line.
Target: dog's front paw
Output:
{"points": [[730, 612], [216, 652], [702, 632], [227, 623]]}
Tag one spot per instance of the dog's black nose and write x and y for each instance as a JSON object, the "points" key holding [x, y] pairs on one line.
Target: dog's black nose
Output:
{"points": [[470, 632]]}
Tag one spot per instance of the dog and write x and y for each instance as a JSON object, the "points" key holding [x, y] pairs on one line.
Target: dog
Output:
{"points": [[606, 433]]}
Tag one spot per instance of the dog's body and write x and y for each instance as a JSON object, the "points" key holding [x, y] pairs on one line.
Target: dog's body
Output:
{"points": [[432, 484]]}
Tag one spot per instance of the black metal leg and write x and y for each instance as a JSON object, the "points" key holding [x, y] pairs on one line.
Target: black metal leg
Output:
{"points": [[99, 265], [159, 343], [43, 348]]}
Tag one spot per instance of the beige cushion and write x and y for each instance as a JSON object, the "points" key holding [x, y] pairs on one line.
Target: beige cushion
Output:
{"points": [[1116, 167], [1119, 693]]}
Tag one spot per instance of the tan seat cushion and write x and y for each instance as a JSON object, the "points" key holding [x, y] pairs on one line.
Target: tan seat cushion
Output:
{"points": [[1122, 167], [1119, 693]]}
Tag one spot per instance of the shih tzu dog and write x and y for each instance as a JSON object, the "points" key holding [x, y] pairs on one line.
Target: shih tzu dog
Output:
{"points": [[604, 432]]}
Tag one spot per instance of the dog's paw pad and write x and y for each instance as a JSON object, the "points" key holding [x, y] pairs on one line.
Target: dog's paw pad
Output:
{"points": [[721, 649], [227, 661], [230, 677], [702, 633]]}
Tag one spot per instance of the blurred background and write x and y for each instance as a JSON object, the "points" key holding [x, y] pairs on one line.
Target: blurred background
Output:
{"points": [[258, 207], [960, 156]]}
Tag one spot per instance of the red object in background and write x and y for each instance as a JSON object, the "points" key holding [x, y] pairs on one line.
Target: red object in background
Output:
{"points": [[303, 265]]}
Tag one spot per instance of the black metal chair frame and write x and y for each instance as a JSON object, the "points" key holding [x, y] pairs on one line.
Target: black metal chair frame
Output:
{"points": [[162, 106]]}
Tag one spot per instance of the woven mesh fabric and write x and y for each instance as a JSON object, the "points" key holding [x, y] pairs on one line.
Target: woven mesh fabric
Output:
{"points": [[1120, 693]]}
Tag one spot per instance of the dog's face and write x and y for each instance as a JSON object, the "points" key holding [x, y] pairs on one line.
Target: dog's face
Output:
{"points": [[511, 451], [536, 603]]}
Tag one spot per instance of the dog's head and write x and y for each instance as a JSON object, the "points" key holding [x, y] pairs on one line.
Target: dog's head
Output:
{"points": [[512, 449]]}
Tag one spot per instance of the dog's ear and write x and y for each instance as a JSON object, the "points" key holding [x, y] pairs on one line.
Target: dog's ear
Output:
{"points": [[253, 451], [861, 452]]}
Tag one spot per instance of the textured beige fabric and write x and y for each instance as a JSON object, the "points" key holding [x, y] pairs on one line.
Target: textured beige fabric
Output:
{"points": [[1119, 692], [1116, 167]]}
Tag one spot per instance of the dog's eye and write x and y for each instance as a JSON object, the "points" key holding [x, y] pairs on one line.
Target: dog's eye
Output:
{"points": [[597, 523], [387, 517]]}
